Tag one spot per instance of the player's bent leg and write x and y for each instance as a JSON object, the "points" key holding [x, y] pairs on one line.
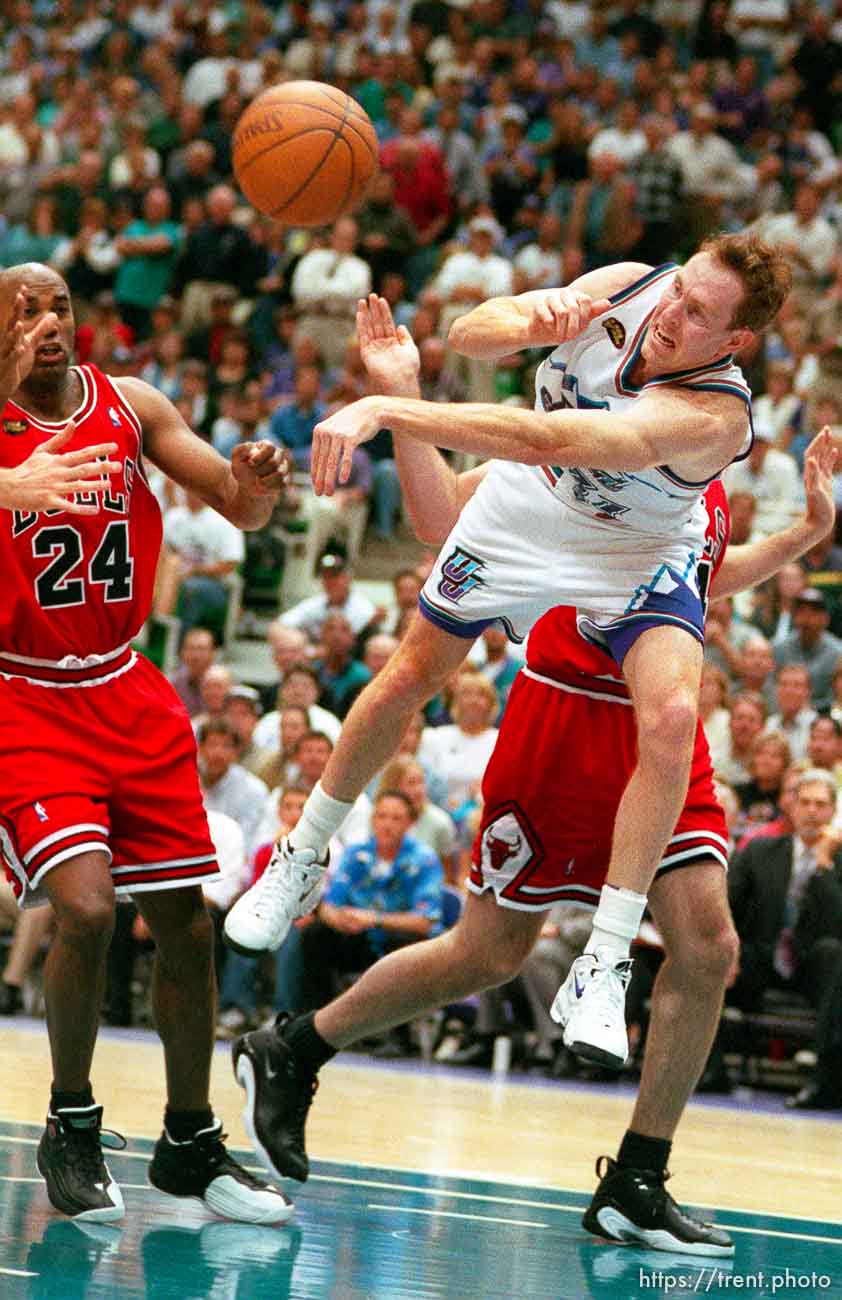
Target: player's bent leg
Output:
{"points": [[292, 883], [278, 1067], [69, 1154], [631, 1202], [190, 1157], [663, 670]]}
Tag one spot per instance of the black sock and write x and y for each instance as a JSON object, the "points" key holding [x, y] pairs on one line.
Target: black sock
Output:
{"points": [[182, 1125], [640, 1152], [70, 1100], [305, 1040]]}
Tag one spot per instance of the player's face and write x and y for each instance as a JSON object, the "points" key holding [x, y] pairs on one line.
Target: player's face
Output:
{"points": [[692, 323], [47, 295]]}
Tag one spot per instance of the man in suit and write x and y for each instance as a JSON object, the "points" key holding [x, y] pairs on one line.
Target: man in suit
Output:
{"points": [[786, 899]]}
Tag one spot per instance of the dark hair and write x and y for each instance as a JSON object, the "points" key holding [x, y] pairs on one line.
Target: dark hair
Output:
{"points": [[826, 717], [218, 727], [397, 794], [313, 735], [765, 274], [301, 666]]}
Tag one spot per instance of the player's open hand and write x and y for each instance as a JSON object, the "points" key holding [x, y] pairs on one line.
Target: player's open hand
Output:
{"points": [[388, 352], [562, 314], [261, 468], [49, 478], [819, 463], [334, 440], [17, 345]]}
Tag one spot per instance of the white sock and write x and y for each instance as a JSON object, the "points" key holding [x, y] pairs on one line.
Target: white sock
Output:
{"points": [[320, 820], [616, 921]]}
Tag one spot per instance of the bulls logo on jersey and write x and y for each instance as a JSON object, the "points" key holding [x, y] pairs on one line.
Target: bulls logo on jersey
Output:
{"points": [[506, 845], [616, 330]]}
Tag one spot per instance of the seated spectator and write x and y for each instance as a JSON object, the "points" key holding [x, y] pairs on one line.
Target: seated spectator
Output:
{"points": [[326, 284], [206, 340], [200, 549], [756, 666], [292, 425], [824, 747], [247, 423], [511, 167], [743, 112], [771, 476], [88, 261], [149, 248], [714, 175], [823, 1091], [341, 517], [603, 218], [467, 278], [164, 370], [731, 760], [386, 234], [658, 185], [780, 825], [468, 182], [809, 241], [422, 190], [774, 604], [214, 686], [218, 252], [384, 893], [337, 594], [226, 786], [137, 164], [539, 265], [778, 408], [624, 141], [341, 674], [197, 653], [431, 825], [759, 797], [280, 768], [725, 635], [795, 714], [715, 705], [242, 711], [406, 589], [498, 664], [288, 646], [812, 645], [460, 750], [104, 338], [299, 689]]}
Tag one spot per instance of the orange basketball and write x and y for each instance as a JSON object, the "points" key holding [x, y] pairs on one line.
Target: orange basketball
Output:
{"points": [[304, 153]]}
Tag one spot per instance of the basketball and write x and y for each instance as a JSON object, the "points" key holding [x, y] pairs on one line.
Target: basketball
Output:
{"points": [[304, 153]]}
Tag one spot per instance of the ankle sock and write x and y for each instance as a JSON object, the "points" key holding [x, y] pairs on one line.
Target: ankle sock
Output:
{"points": [[305, 1040], [616, 921], [319, 822], [70, 1100], [640, 1152], [182, 1125]]}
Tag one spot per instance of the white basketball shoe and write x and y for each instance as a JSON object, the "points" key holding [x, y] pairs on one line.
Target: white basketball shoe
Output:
{"points": [[290, 887], [591, 1008]]}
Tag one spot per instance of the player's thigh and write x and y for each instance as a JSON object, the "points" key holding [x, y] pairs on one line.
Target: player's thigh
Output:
{"points": [[663, 666], [426, 653]]}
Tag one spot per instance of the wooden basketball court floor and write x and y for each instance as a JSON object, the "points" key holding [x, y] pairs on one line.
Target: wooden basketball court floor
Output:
{"points": [[427, 1182]]}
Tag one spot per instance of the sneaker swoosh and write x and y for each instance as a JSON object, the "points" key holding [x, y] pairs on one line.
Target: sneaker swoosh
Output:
{"points": [[268, 1071], [580, 988]]}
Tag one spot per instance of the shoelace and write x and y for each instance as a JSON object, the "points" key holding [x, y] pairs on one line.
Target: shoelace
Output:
{"points": [[216, 1154], [607, 985], [84, 1149]]}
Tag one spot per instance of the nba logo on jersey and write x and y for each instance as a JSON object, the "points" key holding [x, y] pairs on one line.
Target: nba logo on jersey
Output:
{"points": [[460, 574], [114, 416], [41, 812]]}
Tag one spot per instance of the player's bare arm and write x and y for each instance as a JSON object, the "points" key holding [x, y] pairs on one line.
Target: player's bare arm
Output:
{"points": [[540, 318], [49, 478], [244, 491], [434, 494], [745, 566], [696, 434]]}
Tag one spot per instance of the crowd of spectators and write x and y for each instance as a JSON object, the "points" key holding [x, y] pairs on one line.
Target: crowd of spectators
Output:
{"points": [[522, 142]]}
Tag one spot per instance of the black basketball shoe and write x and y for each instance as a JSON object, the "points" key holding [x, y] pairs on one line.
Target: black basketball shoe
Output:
{"points": [[633, 1205], [279, 1090], [203, 1168], [70, 1159]]}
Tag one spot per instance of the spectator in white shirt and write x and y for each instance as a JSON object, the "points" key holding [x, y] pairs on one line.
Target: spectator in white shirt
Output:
{"points": [[795, 714], [778, 407], [711, 169], [207, 78], [460, 751], [771, 477], [541, 265], [468, 277], [337, 594], [626, 140], [226, 786], [300, 689], [809, 241], [326, 285], [201, 549]]}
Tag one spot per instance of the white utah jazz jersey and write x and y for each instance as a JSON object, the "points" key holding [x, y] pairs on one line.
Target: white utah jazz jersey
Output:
{"points": [[593, 372]]}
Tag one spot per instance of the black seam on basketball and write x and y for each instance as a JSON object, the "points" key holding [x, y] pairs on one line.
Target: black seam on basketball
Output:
{"points": [[294, 103], [350, 185], [279, 144], [337, 135], [356, 109]]}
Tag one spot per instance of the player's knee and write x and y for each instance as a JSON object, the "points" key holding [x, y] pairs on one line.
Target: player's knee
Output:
{"points": [[667, 727], [710, 954], [504, 960], [87, 921]]}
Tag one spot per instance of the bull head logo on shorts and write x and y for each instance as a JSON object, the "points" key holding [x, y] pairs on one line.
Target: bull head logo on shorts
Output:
{"points": [[501, 847]]}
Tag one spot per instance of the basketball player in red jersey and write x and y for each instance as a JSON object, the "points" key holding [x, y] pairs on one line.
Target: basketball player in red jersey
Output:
{"points": [[551, 790], [99, 792]]}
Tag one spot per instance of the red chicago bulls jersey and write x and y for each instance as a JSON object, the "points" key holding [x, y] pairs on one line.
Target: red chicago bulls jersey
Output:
{"points": [[556, 650], [79, 584]]}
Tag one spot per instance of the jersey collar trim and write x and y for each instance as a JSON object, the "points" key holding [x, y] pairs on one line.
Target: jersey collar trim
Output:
{"points": [[82, 410]]}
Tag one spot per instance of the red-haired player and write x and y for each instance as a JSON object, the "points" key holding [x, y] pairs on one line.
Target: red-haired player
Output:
{"points": [[99, 793]]}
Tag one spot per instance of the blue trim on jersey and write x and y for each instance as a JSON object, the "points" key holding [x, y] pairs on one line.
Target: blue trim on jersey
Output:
{"points": [[621, 294], [458, 627]]}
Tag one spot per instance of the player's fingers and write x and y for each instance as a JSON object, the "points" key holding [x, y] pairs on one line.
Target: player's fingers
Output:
{"points": [[64, 435], [363, 326], [346, 461], [40, 328], [85, 485], [260, 453], [386, 322], [403, 334], [102, 451], [374, 316], [316, 461], [72, 507], [599, 305], [331, 465], [92, 469]]}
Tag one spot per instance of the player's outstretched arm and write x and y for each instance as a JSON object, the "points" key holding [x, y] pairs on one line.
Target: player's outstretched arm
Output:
{"points": [[745, 566], [541, 318], [49, 478], [433, 492], [244, 491]]}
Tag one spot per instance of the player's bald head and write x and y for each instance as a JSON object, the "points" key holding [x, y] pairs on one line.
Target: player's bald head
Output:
{"points": [[34, 275]]}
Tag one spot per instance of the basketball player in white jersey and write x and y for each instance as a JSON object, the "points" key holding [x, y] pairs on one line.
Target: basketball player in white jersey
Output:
{"points": [[595, 503]]}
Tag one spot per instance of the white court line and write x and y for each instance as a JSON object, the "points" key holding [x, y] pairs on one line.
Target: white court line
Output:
{"points": [[483, 1196], [17, 1272], [451, 1214]]}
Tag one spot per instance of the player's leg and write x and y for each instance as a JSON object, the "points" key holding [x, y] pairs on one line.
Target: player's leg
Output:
{"points": [[190, 1158], [278, 1067], [69, 1153], [663, 670], [291, 884], [690, 906]]}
